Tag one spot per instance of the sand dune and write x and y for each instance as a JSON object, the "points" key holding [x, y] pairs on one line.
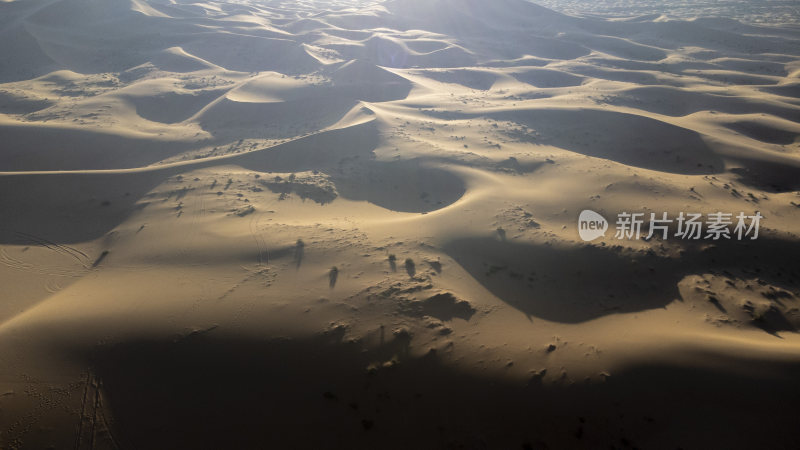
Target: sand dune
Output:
{"points": [[329, 224]]}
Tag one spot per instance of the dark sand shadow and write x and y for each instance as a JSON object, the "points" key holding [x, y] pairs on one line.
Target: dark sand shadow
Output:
{"points": [[333, 276], [636, 141], [299, 252], [407, 186], [206, 392], [43, 148], [72, 207], [573, 284], [771, 176], [79, 206], [346, 155], [411, 267]]}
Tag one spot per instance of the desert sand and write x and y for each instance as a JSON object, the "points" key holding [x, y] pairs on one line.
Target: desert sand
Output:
{"points": [[353, 225]]}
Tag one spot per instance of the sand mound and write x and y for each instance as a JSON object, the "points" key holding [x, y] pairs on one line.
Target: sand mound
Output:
{"points": [[176, 59]]}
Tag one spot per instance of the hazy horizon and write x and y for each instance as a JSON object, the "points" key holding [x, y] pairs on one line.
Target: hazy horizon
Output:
{"points": [[784, 12]]}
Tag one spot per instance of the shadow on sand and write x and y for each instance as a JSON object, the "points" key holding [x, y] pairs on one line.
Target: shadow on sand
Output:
{"points": [[212, 392], [572, 284]]}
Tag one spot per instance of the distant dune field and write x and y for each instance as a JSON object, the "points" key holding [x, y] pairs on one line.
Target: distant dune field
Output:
{"points": [[354, 225], [782, 12]]}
